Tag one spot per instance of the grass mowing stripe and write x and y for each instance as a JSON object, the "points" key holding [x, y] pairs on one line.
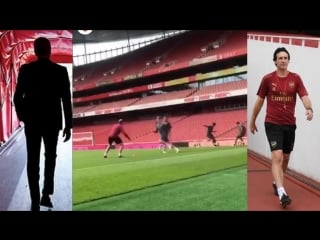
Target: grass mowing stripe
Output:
{"points": [[108, 185], [103, 182], [178, 158], [222, 190], [84, 159], [162, 183]]}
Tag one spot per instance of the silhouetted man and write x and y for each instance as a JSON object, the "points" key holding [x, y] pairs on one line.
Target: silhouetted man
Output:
{"points": [[42, 86]]}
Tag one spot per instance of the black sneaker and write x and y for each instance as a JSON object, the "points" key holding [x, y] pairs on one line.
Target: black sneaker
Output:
{"points": [[285, 201], [45, 201], [275, 189]]}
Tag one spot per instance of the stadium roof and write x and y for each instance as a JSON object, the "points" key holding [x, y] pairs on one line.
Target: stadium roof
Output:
{"points": [[111, 35], [97, 36]]}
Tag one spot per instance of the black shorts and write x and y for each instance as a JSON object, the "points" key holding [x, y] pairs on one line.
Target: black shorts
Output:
{"points": [[117, 140], [211, 136], [280, 136], [164, 139], [240, 136]]}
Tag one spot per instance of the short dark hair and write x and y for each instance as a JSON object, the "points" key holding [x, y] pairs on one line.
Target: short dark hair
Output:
{"points": [[42, 47], [280, 49]]}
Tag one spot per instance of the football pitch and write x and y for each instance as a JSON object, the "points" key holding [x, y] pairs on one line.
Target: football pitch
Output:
{"points": [[198, 179]]}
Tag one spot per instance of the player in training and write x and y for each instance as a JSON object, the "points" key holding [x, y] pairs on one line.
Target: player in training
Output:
{"points": [[164, 128], [240, 135], [210, 135], [157, 127], [114, 137]]}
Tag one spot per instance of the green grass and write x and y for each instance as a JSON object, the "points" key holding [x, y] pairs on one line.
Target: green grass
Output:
{"points": [[227, 191], [95, 177]]}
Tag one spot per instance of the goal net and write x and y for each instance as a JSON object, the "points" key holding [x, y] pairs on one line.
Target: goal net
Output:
{"points": [[82, 138]]}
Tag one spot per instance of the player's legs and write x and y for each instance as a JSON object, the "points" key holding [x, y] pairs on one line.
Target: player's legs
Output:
{"points": [[120, 149], [275, 135], [106, 150], [174, 147], [165, 143], [214, 141], [275, 138], [119, 142], [50, 140], [108, 147], [288, 143], [241, 140], [209, 137], [236, 140], [33, 140], [163, 147], [277, 171]]}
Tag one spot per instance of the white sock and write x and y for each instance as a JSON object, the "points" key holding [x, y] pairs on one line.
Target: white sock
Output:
{"points": [[281, 191]]}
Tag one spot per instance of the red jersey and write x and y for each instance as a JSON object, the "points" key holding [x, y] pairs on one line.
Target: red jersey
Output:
{"points": [[281, 93], [116, 130]]}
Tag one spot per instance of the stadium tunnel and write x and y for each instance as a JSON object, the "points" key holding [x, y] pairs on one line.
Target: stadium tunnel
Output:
{"points": [[16, 49]]}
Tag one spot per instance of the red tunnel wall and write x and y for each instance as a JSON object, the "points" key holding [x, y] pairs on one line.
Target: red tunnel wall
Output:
{"points": [[16, 49]]}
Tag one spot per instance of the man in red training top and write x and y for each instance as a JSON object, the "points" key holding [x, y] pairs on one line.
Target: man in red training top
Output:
{"points": [[281, 88], [114, 137]]}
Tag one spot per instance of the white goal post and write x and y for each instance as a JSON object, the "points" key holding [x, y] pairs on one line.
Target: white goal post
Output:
{"points": [[82, 138]]}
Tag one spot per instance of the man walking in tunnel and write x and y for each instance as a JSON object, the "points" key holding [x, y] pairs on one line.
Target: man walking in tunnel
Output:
{"points": [[42, 86]]}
